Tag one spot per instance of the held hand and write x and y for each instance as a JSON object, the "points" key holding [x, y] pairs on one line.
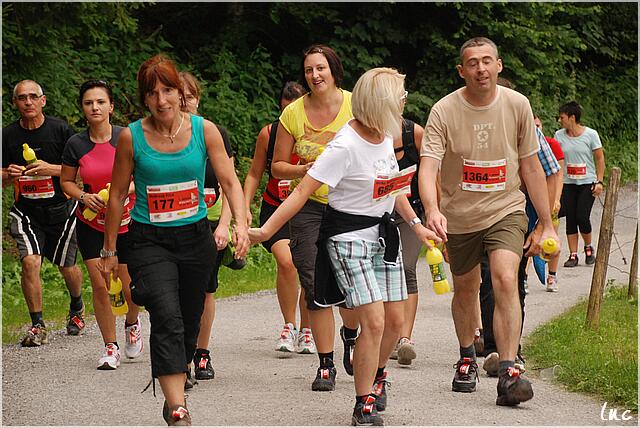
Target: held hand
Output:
{"points": [[550, 232], [108, 267], [596, 189], [437, 223], [221, 236], [425, 235], [240, 238], [249, 218], [533, 244], [93, 201], [15, 171], [39, 167], [256, 235], [556, 207]]}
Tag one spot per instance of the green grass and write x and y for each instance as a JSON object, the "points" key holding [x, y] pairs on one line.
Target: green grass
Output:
{"points": [[603, 362], [258, 274]]}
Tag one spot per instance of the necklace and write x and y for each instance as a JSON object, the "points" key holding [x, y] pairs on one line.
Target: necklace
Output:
{"points": [[171, 137]]}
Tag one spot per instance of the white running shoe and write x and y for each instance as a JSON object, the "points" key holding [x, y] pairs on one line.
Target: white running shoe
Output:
{"points": [[552, 284], [110, 358], [305, 343], [133, 340], [286, 341], [406, 351]]}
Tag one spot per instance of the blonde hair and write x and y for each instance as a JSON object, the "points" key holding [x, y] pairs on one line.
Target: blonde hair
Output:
{"points": [[376, 101]]}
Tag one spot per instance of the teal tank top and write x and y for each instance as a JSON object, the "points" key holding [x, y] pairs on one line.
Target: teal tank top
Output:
{"points": [[169, 186]]}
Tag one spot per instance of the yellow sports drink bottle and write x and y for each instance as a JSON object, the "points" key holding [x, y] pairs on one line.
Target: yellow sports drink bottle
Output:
{"points": [[28, 154], [90, 214], [436, 266], [555, 220], [549, 248], [116, 297]]}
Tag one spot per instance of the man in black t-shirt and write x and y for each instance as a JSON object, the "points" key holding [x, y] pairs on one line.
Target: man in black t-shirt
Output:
{"points": [[41, 220]]}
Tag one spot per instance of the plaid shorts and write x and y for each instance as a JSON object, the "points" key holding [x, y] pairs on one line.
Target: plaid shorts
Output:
{"points": [[362, 274]]}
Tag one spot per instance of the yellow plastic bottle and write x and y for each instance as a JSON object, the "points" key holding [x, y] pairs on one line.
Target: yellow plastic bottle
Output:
{"points": [[549, 248], [436, 266], [555, 220], [119, 305], [28, 154], [90, 214]]}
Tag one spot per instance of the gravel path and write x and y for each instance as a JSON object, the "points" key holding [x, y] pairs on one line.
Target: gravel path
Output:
{"points": [[58, 384]]}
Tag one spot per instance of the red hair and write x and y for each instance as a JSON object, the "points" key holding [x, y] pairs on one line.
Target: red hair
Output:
{"points": [[158, 67]]}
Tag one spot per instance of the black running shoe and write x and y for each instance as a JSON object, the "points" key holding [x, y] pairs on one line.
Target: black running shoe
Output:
{"points": [[365, 413], [75, 322], [190, 382], [589, 256], [325, 379], [176, 415], [347, 357], [464, 380], [572, 261], [202, 365], [380, 391], [513, 389]]}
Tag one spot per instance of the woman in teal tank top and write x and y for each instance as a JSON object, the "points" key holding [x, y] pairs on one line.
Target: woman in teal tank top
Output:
{"points": [[172, 250]]}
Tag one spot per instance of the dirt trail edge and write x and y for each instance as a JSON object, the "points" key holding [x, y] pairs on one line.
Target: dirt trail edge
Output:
{"points": [[58, 384]]}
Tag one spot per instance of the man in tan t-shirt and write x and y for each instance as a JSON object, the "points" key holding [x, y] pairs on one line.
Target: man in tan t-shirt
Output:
{"points": [[482, 138]]}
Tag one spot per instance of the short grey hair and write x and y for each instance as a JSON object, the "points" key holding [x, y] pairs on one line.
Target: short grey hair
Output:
{"points": [[478, 41], [15, 88]]}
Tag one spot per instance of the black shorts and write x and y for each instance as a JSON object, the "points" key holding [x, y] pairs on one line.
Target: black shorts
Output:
{"points": [[91, 241], [48, 232], [266, 211]]}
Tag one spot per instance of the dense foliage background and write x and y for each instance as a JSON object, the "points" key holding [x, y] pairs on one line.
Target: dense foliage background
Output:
{"points": [[553, 52]]}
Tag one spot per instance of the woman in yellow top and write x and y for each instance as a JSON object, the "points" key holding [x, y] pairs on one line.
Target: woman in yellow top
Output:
{"points": [[308, 124]]}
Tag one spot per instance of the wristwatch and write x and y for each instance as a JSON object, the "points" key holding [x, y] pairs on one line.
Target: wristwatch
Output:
{"points": [[415, 221], [108, 253]]}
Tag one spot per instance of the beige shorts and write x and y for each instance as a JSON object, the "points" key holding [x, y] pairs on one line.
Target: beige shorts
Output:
{"points": [[467, 249]]}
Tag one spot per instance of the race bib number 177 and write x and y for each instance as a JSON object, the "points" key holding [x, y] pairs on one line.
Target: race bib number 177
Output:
{"points": [[170, 202]]}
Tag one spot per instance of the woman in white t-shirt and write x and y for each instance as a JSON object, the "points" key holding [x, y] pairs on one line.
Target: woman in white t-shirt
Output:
{"points": [[361, 242]]}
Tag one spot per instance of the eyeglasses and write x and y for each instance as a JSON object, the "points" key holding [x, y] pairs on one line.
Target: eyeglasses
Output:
{"points": [[31, 97], [404, 96]]}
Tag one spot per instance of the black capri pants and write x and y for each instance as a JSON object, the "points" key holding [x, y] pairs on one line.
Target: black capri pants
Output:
{"points": [[170, 268], [576, 204]]}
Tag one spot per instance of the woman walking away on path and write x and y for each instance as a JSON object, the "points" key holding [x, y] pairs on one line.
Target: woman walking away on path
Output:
{"points": [[583, 175], [219, 216], [358, 237], [171, 244], [307, 125], [92, 152], [291, 338]]}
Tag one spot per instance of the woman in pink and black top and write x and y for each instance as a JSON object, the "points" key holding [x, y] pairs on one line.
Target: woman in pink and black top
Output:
{"points": [[92, 152]]}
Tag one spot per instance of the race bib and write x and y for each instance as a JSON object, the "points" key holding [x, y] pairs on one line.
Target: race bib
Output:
{"points": [[126, 215], [385, 186], [36, 187], [577, 171], [210, 196], [284, 187], [169, 202], [484, 176]]}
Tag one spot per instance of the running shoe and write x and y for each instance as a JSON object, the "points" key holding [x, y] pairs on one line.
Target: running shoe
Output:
{"points": [[325, 379], [75, 322], [513, 389], [552, 283], [520, 363], [590, 257], [380, 391], [176, 415], [572, 261], [347, 356], [286, 341], [466, 375], [36, 335], [478, 341], [133, 340], [202, 365], [305, 343], [366, 414], [110, 359], [406, 352], [189, 382], [491, 364]]}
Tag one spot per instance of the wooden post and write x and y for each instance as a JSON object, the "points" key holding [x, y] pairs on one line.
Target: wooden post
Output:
{"points": [[604, 246], [633, 274]]}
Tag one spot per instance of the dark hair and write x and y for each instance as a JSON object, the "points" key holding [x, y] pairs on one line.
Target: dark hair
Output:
{"points": [[158, 67], [335, 65], [95, 83], [572, 108], [475, 42], [291, 91]]}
